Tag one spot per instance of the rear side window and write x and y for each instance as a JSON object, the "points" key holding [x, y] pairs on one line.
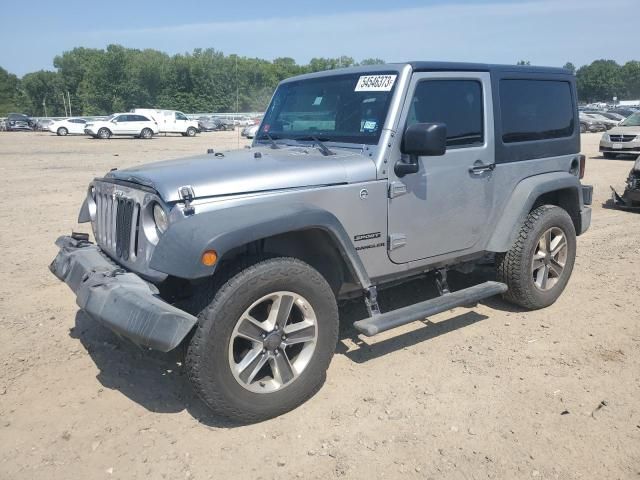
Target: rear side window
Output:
{"points": [[457, 103], [535, 110]]}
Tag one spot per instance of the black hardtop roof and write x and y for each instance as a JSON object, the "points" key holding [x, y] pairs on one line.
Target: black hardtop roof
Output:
{"points": [[435, 67], [482, 67]]}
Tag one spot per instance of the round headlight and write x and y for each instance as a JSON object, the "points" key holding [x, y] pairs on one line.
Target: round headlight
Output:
{"points": [[160, 218]]}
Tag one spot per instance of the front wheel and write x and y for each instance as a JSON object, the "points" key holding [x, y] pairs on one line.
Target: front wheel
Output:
{"points": [[263, 345], [146, 133], [191, 132], [104, 133], [538, 266]]}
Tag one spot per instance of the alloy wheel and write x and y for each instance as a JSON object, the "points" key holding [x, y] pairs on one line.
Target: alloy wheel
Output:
{"points": [[273, 342]]}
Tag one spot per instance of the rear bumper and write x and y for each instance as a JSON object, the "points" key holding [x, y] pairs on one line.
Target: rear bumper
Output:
{"points": [[119, 299]]}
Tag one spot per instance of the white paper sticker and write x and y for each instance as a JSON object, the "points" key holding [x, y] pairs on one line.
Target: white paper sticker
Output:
{"points": [[317, 101], [369, 126], [375, 83]]}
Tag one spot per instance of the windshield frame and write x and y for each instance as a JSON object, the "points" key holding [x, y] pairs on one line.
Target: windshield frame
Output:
{"points": [[327, 136]]}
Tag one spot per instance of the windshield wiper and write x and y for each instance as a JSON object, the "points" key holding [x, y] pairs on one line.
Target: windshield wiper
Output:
{"points": [[274, 145], [321, 146]]}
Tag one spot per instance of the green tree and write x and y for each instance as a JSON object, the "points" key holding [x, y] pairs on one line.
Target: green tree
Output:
{"points": [[630, 77], [9, 93], [600, 81], [570, 66]]}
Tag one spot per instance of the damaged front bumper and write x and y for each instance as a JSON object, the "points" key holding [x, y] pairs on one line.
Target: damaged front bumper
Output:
{"points": [[117, 298], [630, 199]]}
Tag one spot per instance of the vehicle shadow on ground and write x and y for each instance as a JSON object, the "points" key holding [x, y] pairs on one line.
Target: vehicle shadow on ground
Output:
{"points": [[406, 294], [155, 380], [158, 382]]}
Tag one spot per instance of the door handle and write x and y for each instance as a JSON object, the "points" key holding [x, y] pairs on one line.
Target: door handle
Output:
{"points": [[480, 167]]}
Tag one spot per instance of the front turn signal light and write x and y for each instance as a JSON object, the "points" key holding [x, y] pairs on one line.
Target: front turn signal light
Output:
{"points": [[209, 258]]}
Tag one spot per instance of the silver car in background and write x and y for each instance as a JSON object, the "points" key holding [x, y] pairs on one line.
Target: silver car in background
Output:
{"points": [[623, 139]]}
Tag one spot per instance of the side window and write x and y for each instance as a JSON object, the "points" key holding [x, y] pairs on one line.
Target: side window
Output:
{"points": [[122, 118], [141, 118], [456, 103], [535, 110], [181, 116]]}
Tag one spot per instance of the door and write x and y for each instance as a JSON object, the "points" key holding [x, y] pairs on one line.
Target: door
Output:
{"points": [[444, 207], [76, 125], [181, 122], [122, 125]]}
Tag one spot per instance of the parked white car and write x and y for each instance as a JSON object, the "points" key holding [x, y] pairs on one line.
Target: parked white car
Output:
{"points": [[74, 126], [171, 121], [250, 132], [122, 124]]}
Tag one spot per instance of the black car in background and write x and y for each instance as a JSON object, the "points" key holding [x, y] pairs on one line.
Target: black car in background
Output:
{"points": [[213, 124], [19, 122]]}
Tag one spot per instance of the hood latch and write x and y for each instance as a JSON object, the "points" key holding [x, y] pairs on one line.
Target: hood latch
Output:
{"points": [[186, 193]]}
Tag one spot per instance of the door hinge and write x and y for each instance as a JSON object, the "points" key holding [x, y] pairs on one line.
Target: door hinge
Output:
{"points": [[397, 240], [396, 189]]}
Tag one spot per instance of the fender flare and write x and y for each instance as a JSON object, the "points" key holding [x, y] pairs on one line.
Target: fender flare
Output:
{"points": [[180, 249], [521, 201]]}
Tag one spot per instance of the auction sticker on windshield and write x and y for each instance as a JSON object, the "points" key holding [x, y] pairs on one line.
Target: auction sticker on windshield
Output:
{"points": [[375, 83]]}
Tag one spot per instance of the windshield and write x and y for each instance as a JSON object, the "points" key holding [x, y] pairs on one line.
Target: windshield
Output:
{"points": [[632, 121], [347, 108]]}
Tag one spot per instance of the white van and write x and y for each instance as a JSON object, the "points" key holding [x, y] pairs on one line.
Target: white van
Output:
{"points": [[170, 121]]}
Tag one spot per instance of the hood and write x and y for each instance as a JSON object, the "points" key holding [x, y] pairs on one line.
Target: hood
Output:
{"points": [[620, 130], [250, 170]]}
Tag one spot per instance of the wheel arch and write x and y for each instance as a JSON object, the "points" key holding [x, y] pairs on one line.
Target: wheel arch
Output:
{"points": [[561, 189], [310, 234]]}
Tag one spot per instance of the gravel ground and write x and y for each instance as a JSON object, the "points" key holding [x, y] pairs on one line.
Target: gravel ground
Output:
{"points": [[486, 392]]}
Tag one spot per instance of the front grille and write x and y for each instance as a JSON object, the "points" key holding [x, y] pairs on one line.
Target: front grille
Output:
{"points": [[621, 138], [117, 225]]}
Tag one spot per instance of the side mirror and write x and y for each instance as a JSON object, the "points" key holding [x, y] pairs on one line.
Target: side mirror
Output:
{"points": [[425, 139], [421, 139]]}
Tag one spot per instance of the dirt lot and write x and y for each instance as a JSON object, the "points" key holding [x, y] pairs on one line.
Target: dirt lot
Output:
{"points": [[487, 392]]}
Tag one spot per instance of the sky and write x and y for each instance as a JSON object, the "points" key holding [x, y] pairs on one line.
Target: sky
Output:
{"points": [[545, 32]]}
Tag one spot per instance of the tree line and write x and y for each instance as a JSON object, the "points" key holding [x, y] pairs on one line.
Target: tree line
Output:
{"points": [[102, 81]]}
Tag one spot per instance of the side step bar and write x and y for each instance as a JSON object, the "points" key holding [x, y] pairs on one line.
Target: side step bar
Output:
{"points": [[395, 318]]}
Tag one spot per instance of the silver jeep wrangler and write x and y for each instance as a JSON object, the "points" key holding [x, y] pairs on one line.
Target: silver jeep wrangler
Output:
{"points": [[357, 179]]}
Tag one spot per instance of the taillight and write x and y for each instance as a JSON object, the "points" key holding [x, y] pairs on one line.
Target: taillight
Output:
{"points": [[583, 161]]}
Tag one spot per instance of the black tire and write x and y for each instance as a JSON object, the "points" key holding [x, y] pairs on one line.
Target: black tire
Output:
{"points": [[104, 133], [146, 133], [62, 132], [191, 132], [207, 358], [583, 128], [515, 267], [609, 155]]}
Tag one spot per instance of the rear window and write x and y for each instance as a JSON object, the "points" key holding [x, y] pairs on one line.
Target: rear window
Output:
{"points": [[535, 110]]}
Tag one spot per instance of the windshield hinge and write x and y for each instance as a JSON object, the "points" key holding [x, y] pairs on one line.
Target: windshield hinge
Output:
{"points": [[186, 193]]}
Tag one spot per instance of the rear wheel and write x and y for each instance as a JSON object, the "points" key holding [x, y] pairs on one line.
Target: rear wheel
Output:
{"points": [[104, 133], [583, 128], [62, 131], [263, 345], [191, 132], [146, 133], [539, 265]]}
